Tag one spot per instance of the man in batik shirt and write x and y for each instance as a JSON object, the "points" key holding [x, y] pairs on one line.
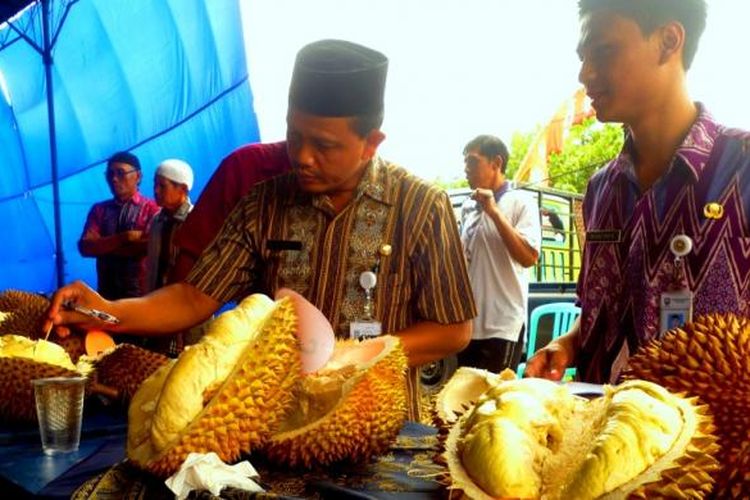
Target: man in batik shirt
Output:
{"points": [[680, 174], [342, 211], [116, 230]]}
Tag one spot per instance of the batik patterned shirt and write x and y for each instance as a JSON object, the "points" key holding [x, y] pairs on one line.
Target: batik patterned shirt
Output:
{"points": [[621, 281], [279, 236], [120, 276]]}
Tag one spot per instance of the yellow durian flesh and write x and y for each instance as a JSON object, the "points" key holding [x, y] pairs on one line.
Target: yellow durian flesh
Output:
{"points": [[39, 351], [641, 425], [495, 472], [204, 365], [624, 443], [141, 413], [526, 413]]}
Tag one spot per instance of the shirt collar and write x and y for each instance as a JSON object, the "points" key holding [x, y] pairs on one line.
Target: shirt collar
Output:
{"points": [[136, 199], [375, 182], [692, 154], [182, 212], [507, 186]]}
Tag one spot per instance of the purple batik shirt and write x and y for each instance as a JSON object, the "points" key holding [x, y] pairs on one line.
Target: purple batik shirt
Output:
{"points": [[621, 281], [121, 276]]}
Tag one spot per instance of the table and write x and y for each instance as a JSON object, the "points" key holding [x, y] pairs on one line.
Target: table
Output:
{"points": [[99, 465], [25, 471]]}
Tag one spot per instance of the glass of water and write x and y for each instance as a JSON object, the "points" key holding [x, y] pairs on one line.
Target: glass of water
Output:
{"points": [[59, 409]]}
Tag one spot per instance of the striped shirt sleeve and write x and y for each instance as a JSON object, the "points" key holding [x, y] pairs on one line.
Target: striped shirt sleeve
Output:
{"points": [[444, 293], [226, 269]]}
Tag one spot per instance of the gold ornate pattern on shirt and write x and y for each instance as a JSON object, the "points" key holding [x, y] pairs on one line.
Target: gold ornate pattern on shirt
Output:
{"points": [[295, 270], [365, 240]]}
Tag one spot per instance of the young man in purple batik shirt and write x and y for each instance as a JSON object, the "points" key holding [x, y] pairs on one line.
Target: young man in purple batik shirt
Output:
{"points": [[679, 177]]}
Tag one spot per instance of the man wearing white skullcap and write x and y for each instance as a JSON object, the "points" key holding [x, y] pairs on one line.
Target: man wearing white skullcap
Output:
{"points": [[173, 181]]}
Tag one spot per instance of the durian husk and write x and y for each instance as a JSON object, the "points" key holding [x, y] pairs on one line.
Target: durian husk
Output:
{"points": [[124, 367], [240, 412], [462, 390], [735, 482], [22, 313], [708, 358], [23, 360], [350, 410], [685, 471]]}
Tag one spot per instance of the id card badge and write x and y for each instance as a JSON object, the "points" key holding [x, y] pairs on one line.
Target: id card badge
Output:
{"points": [[361, 330], [676, 309]]}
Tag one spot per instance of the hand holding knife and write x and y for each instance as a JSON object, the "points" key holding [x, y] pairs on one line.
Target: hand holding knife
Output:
{"points": [[92, 313]]}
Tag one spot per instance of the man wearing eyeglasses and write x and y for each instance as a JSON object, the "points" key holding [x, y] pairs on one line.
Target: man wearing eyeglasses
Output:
{"points": [[116, 230]]}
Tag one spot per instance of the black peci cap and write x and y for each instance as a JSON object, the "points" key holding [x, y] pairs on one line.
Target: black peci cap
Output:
{"points": [[338, 78], [124, 157]]}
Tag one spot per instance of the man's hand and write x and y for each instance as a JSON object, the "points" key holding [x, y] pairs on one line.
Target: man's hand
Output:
{"points": [[75, 293], [551, 361], [485, 198], [132, 236]]}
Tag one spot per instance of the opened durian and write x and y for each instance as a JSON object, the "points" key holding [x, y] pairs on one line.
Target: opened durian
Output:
{"points": [[23, 313], [532, 438], [226, 394], [708, 358], [23, 360], [352, 409]]}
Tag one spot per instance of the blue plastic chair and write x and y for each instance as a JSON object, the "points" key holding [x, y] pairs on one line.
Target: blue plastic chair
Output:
{"points": [[565, 314]]}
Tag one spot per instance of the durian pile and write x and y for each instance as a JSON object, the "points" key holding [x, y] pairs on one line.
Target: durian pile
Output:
{"points": [[532, 438], [709, 358], [267, 378], [25, 356]]}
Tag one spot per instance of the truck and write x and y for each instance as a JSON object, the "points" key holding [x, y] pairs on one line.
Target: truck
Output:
{"points": [[552, 279]]}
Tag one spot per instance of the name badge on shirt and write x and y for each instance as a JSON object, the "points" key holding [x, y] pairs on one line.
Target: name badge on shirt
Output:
{"points": [[284, 245], [604, 236], [676, 309], [361, 330]]}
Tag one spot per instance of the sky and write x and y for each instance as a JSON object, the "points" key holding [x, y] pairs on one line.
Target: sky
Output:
{"points": [[460, 68]]}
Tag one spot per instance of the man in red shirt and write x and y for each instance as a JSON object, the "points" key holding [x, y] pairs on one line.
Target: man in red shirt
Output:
{"points": [[236, 175], [116, 230]]}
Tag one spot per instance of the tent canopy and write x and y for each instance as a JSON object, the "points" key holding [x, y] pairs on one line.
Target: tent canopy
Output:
{"points": [[161, 78]]}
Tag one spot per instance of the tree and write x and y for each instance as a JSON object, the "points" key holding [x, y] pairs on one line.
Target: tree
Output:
{"points": [[587, 147]]}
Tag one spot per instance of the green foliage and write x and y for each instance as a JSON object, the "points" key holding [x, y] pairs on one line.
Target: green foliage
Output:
{"points": [[588, 146], [451, 183]]}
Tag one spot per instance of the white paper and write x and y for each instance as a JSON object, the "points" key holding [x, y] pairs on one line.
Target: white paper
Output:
{"points": [[206, 471]]}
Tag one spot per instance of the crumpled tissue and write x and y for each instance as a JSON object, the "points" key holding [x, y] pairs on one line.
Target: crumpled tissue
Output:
{"points": [[206, 471]]}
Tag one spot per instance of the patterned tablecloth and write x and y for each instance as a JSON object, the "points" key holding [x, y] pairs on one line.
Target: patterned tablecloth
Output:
{"points": [[407, 470]]}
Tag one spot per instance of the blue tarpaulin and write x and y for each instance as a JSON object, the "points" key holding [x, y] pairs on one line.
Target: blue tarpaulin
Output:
{"points": [[162, 78]]}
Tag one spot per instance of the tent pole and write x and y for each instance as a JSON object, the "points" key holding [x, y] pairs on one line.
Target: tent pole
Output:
{"points": [[47, 56]]}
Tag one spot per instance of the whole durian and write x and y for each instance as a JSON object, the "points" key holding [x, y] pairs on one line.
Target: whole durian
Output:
{"points": [[22, 313], [124, 367], [532, 438], [708, 358]]}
